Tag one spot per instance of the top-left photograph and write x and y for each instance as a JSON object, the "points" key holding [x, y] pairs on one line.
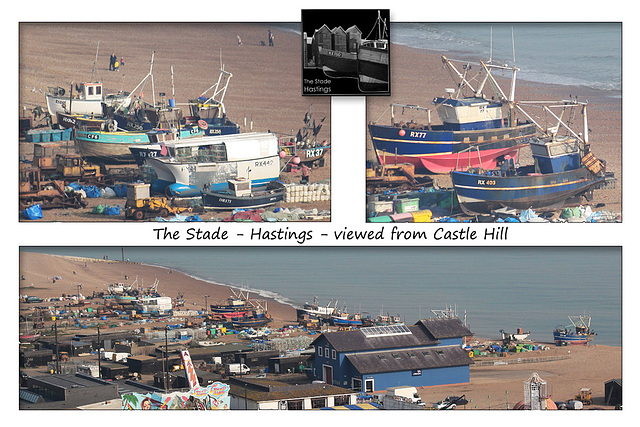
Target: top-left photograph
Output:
{"points": [[169, 122]]}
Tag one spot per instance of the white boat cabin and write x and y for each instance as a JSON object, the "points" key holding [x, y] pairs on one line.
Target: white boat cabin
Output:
{"points": [[240, 186]]}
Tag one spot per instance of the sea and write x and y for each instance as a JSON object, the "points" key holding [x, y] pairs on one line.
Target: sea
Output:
{"points": [[564, 53], [491, 288]]}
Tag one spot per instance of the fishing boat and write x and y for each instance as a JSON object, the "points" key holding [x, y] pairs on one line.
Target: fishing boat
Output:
{"points": [[113, 145], [564, 168], [88, 121], [237, 302], [373, 60], [88, 99], [256, 318], [580, 334], [304, 147], [27, 338], [317, 311], [208, 111], [213, 160], [241, 195], [343, 318], [473, 121], [518, 336]]}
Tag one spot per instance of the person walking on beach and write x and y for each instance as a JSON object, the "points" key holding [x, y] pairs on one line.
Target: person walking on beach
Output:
{"points": [[270, 38], [239, 41], [112, 61], [305, 174]]}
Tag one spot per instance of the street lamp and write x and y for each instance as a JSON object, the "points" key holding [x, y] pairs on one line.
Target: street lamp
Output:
{"points": [[166, 362]]}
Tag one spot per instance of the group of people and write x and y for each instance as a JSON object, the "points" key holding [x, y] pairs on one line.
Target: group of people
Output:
{"points": [[270, 36], [114, 64]]}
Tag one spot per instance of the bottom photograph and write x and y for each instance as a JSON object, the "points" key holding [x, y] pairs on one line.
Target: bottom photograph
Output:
{"points": [[379, 328]]}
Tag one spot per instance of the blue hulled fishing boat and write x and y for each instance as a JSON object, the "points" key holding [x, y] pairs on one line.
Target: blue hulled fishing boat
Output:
{"points": [[578, 333], [564, 168]]}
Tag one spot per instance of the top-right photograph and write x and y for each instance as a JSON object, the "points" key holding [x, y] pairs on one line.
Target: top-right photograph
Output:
{"points": [[498, 122]]}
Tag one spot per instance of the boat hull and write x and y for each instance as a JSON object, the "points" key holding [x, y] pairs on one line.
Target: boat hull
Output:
{"points": [[571, 339], [338, 321], [441, 151], [215, 174], [373, 69], [225, 201], [60, 104], [481, 194], [336, 63], [74, 120], [108, 146]]}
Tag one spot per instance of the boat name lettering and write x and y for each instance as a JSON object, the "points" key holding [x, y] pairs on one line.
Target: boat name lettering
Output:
{"points": [[93, 136], [263, 163], [486, 182], [314, 152], [223, 200], [414, 134], [334, 53]]}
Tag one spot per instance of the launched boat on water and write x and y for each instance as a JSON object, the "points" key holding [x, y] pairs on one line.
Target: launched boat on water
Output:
{"points": [[468, 122], [580, 334]]}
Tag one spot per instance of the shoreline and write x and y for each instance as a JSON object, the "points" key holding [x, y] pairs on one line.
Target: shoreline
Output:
{"points": [[283, 307]]}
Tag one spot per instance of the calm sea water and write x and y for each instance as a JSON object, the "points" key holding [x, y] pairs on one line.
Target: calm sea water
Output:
{"points": [[498, 288], [588, 54]]}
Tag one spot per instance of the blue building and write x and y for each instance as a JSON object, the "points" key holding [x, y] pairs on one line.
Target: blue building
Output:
{"points": [[376, 358]]}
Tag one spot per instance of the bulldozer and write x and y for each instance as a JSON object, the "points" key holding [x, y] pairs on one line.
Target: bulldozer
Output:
{"points": [[141, 205], [49, 194], [584, 396], [399, 176]]}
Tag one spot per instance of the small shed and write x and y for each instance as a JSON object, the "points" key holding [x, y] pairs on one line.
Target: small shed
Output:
{"points": [[339, 39], [354, 38], [613, 392]]}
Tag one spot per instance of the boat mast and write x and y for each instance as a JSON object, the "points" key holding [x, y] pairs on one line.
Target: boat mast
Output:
{"points": [[95, 61]]}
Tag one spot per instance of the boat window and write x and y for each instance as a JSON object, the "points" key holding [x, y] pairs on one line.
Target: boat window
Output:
{"points": [[90, 90], [212, 153], [183, 152], [98, 90]]}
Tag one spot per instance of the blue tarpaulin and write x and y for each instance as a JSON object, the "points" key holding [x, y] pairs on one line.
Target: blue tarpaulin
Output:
{"points": [[33, 212]]}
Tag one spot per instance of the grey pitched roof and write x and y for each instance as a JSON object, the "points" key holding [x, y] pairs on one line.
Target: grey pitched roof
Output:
{"points": [[356, 341], [445, 327], [409, 360]]}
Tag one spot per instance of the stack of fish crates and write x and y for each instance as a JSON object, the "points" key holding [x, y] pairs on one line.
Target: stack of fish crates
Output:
{"points": [[306, 193]]}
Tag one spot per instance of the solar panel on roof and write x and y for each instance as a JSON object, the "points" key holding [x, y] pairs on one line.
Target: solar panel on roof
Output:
{"points": [[385, 331]]}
